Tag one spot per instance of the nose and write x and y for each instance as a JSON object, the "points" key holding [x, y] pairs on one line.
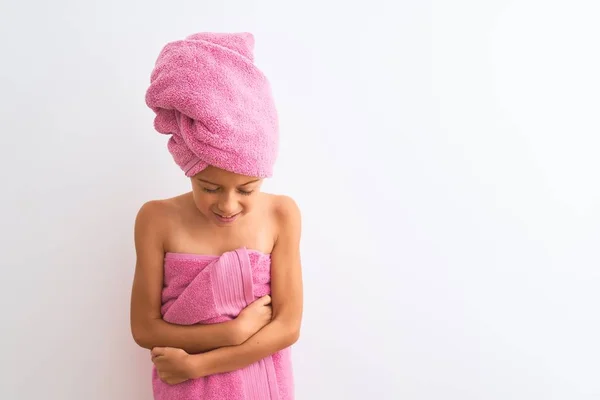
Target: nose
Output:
{"points": [[227, 205]]}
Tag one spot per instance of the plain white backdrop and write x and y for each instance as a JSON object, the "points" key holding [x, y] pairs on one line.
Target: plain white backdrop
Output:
{"points": [[444, 155]]}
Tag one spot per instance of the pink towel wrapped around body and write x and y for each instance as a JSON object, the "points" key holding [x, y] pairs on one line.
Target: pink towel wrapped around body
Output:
{"points": [[211, 289]]}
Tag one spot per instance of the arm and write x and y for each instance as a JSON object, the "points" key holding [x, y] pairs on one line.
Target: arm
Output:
{"points": [[147, 326], [287, 298]]}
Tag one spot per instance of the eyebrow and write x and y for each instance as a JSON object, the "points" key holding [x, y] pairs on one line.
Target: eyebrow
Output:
{"points": [[215, 184]]}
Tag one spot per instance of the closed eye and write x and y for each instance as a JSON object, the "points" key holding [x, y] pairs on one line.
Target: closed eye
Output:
{"points": [[242, 192]]}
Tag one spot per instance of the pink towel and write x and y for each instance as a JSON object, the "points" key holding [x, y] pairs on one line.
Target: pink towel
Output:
{"points": [[216, 104], [211, 289]]}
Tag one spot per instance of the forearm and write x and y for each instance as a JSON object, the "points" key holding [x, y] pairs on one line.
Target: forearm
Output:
{"points": [[193, 339], [274, 337]]}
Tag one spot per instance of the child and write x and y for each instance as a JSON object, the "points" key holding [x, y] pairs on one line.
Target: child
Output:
{"points": [[217, 291]]}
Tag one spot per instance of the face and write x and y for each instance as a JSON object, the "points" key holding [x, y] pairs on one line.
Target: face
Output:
{"points": [[224, 197]]}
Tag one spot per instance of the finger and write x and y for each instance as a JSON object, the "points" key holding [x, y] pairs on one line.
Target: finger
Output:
{"points": [[158, 351], [266, 300]]}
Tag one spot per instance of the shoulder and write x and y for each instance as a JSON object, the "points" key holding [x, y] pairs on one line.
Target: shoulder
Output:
{"points": [[154, 211], [285, 207], [159, 214], [287, 215]]}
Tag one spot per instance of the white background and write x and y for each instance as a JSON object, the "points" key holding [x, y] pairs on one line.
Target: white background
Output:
{"points": [[444, 155]]}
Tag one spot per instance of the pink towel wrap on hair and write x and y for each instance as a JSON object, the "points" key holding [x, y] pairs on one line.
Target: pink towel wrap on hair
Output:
{"points": [[216, 104]]}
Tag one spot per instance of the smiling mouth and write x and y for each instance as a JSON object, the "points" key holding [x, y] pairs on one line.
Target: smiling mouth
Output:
{"points": [[227, 218]]}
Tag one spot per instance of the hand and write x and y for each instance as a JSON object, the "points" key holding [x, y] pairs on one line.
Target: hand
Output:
{"points": [[173, 365], [254, 317]]}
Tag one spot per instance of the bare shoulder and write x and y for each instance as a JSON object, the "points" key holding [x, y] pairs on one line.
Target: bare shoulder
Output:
{"points": [[287, 215], [284, 206], [155, 212], [156, 217]]}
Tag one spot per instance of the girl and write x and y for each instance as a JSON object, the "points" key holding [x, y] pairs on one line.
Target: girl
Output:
{"points": [[217, 291]]}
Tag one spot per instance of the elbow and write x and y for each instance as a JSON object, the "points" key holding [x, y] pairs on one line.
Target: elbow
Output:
{"points": [[292, 335], [141, 336], [289, 330], [141, 339]]}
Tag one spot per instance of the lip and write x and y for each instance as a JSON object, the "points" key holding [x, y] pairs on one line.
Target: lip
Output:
{"points": [[226, 220]]}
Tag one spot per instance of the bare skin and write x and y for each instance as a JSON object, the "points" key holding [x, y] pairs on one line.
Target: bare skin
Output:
{"points": [[153, 226], [190, 223]]}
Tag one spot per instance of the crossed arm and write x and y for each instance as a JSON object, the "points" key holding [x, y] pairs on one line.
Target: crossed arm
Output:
{"points": [[148, 328], [287, 298], [217, 348]]}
